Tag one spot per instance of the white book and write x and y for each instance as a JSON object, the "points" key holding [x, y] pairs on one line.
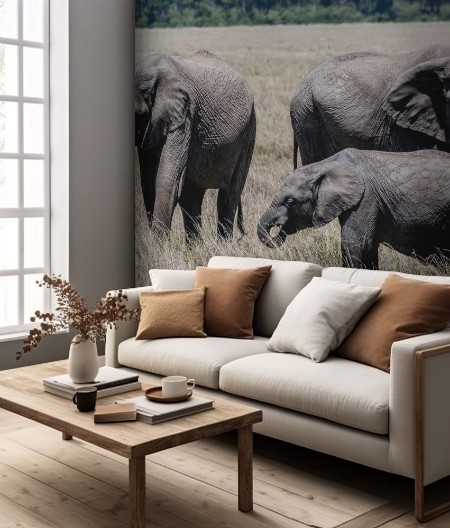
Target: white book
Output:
{"points": [[102, 393], [107, 377], [155, 412]]}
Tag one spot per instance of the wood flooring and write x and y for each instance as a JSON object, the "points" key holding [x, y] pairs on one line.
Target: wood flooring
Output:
{"points": [[46, 482]]}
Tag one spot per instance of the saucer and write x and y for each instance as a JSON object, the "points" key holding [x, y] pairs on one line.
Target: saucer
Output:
{"points": [[155, 394]]}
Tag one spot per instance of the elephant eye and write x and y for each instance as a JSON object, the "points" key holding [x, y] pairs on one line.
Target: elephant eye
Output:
{"points": [[289, 202]]}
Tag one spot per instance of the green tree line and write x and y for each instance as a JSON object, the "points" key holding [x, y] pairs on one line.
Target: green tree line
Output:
{"points": [[202, 13]]}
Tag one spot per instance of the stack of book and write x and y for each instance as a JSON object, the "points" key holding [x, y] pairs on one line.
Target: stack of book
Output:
{"points": [[108, 381], [155, 412]]}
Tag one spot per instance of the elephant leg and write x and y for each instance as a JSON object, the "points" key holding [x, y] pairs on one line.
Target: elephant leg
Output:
{"points": [[359, 246], [226, 211], [191, 200]]}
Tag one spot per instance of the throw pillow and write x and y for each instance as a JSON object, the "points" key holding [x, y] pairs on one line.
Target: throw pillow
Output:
{"points": [[320, 317], [171, 313], [405, 308], [230, 299]]}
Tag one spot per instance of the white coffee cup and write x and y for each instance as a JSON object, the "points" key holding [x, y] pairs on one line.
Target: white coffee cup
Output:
{"points": [[176, 386]]}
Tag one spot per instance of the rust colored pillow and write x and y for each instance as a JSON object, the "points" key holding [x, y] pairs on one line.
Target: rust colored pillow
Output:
{"points": [[230, 299], [171, 313], [405, 308]]}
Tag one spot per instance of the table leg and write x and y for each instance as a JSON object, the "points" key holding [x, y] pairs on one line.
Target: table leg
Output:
{"points": [[136, 487], [66, 436], [245, 468]]}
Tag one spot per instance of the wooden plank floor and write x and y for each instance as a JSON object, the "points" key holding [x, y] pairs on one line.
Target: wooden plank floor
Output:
{"points": [[46, 483]]}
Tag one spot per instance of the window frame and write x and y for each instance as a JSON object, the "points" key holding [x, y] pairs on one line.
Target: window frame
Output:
{"points": [[55, 122]]}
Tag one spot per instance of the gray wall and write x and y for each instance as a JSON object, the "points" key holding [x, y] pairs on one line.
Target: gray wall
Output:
{"points": [[101, 167]]}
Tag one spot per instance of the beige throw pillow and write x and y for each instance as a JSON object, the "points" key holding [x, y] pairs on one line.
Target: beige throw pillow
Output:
{"points": [[405, 308], [320, 317], [171, 313], [230, 299]]}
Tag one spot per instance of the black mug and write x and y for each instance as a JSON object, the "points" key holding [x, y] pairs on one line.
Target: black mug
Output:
{"points": [[85, 398]]}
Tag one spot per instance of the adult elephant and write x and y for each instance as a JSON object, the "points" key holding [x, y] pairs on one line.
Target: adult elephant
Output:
{"points": [[373, 101], [399, 199], [195, 130]]}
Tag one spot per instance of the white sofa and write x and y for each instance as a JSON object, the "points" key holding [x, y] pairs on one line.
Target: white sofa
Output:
{"points": [[396, 422]]}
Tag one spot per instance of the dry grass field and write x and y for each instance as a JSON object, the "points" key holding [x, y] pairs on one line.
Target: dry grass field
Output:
{"points": [[274, 60]]}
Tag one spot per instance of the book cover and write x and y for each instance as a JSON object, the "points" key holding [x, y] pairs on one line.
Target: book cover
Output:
{"points": [[102, 393], [107, 377], [155, 412], [117, 412]]}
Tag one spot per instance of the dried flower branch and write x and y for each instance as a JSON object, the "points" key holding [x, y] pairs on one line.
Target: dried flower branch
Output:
{"points": [[74, 311]]}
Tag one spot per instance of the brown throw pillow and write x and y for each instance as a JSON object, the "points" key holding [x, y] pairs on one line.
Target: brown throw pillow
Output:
{"points": [[171, 313], [405, 308], [230, 299]]}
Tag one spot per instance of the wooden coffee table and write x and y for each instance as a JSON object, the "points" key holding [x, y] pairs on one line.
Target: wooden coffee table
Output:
{"points": [[21, 392]]}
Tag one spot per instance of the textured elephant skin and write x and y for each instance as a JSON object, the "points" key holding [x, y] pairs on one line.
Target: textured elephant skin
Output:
{"points": [[195, 130], [398, 199], [374, 101]]}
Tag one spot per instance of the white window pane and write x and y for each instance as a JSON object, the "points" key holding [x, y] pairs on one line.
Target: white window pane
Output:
{"points": [[33, 240], [9, 183], [8, 69], [33, 183], [33, 296], [8, 18], [33, 128], [33, 72], [8, 127], [9, 242], [9, 301], [33, 20]]}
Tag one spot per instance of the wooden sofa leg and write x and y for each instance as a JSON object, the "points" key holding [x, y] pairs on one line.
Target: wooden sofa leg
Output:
{"points": [[419, 439]]}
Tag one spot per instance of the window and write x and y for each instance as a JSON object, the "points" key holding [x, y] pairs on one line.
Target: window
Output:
{"points": [[24, 161]]}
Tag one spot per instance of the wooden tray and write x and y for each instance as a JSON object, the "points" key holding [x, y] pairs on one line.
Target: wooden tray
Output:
{"points": [[155, 394]]}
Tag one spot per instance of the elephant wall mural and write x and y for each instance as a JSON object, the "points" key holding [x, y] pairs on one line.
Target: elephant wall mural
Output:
{"points": [[195, 130], [373, 101], [399, 199], [219, 111]]}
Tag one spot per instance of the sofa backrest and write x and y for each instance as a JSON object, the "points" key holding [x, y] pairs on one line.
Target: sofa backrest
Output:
{"points": [[367, 277], [285, 280]]}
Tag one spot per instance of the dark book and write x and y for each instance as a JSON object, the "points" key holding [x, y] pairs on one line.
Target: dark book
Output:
{"points": [[107, 377], [101, 393]]}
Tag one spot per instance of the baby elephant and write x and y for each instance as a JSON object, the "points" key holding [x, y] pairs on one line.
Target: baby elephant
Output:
{"points": [[399, 199]]}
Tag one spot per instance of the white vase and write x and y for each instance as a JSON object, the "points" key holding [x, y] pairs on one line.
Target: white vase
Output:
{"points": [[83, 360]]}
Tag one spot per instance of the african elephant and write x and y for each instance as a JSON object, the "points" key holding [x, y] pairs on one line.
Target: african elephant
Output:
{"points": [[399, 199], [373, 101], [195, 130]]}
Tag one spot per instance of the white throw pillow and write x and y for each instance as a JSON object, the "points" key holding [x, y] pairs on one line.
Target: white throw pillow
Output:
{"points": [[167, 279], [320, 317]]}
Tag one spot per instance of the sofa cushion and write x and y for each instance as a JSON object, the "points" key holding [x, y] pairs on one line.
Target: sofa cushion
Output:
{"points": [[320, 317], [339, 390], [167, 279], [286, 279], [405, 308], [171, 313], [230, 299], [200, 359]]}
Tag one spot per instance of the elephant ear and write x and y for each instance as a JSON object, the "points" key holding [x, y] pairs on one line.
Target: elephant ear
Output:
{"points": [[417, 100], [166, 98], [338, 188]]}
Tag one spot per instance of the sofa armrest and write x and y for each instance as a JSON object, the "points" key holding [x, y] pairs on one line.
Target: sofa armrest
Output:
{"points": [[432, 353], [122, 329]]}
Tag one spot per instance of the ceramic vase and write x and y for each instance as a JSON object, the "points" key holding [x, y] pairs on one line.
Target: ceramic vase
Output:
{"points": [[83, 360]]}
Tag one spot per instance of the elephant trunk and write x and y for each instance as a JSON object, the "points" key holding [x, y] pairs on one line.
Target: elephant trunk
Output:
{"points": [[266, 224]]}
